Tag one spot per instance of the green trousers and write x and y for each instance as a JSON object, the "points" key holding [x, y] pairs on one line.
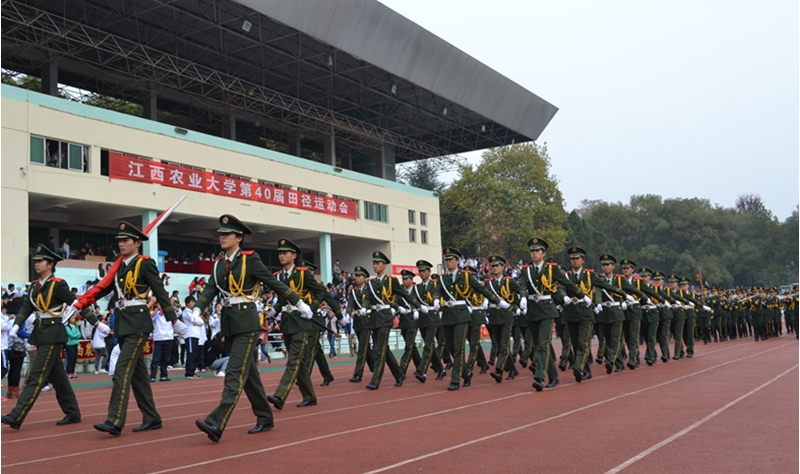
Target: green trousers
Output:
{"points": [[131, 373], [631, 333], [46, 365], [411, 352], [430, 356], [317, 355], [455, 337], [543, 354], [364, 353], [663, 336], [612, 335], [501, 337], [241, 375], [567, 355], [476, 353], [580, 335], [650, 341], [677, 332], [688, 336], [383, 356], [297, 359]]}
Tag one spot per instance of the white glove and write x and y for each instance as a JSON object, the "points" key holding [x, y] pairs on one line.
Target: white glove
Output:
{"points": [[624, 306], [393, 311], [362, 312], [416, 315], [103, 328], [630, 298], [523, 305], [305, 310], [436, 304], [503, 304], [691, 304], [71, 309], [485, 303], [401, 310], [587, 300], [487, 320], [345, 321], [567, 300], [179, 328], [425, 309], [558, 307], [706, 308], [13, 331], [270, 312], [597, 309], [469, 308]]}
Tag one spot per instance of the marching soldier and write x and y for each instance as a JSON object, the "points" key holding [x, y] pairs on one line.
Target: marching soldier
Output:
{"points": [[315, 352], [567, 357], [501, 320], [358, 311], [300, 334], [49, 299], [704, 316], [633, 313], [651, 314], [579, 316], [539, 283], [408, 326], [427, 293], [664, 314], [456, 288], [479, 305], [679, 315], [237, 279], [610, 305], [382, 293]]}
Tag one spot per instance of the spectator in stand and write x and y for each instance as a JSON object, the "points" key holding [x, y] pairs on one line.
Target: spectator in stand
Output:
{"points": [[65, 248], [336, 270], [85, 287], [175, 299], [331, 323], [99, 345], [51, 244], [163, 336], [71, 347]]}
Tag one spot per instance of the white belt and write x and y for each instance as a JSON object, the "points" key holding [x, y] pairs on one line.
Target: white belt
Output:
{"points": [[611, 304], [48, 315], [493, 306], [133, 302], [288, 308], [450, 304], [234, 300], [649, 306], [538, 297], [677, 305], [379, 307]]}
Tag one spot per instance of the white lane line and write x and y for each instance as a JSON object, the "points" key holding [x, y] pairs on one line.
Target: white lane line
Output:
{"points": [[693, 426], [555, 417]]}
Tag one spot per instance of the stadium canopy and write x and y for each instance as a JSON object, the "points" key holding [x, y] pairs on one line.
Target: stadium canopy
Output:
{"points": [[347, 79]]}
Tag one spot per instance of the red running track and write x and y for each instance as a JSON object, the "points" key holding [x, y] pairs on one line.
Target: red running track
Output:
{"points": [[733, 408]]}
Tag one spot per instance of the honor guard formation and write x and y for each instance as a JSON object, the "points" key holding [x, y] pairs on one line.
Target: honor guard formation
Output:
{"points": [[637, 315]]}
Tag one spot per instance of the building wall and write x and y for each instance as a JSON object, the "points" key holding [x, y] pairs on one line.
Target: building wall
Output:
{"points": [[28, 113]]}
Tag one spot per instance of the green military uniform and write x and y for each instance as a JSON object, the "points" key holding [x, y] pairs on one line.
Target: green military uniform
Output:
{"points": [[579, 318], [408, 329], [314, 350], [567, 357], [690, 324], [381, 297], [501, 319], [679, 315], [137, 276], [430, 324], [704, 316], [650, 316], [457, 288], [237, 280], [48, 298], [478, 318], [664, 315], [633, 313], [611, 317], [360, 314], [539, 283]]}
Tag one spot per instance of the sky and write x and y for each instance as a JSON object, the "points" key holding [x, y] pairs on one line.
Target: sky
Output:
{"points": [[676, 98]]}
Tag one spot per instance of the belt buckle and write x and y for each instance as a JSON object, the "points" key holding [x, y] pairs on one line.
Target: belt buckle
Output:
{"points": [[226, 301]]}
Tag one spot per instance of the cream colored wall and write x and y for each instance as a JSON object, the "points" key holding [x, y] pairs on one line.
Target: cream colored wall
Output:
{"points": [[20, 119]]}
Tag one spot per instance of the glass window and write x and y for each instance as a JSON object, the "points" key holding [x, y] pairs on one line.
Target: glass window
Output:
{"points": [[411, 217], [75, 157], [423, 234], [412, 235], [37, 150], [423, 218], [375, 212]]}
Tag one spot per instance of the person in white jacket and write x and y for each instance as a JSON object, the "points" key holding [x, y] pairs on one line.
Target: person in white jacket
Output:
{"points": [[99, 346], [195, 325], [163, 340]]}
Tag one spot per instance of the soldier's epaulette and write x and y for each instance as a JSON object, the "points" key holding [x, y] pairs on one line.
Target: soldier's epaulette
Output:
{"points": [[589, 270], [487, 279], [34, 282], [509, 278], [276, 273], [637, 277], [302, 269], [144, 256], [57, 280], [464, 270], [247, 252], [620, 276], [552, 264], [526, 266], [568, 272]]}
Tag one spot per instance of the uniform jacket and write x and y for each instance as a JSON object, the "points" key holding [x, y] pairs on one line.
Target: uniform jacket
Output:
{"points": [[460, 290], [385, 292], [53, 296], [545, 284]]}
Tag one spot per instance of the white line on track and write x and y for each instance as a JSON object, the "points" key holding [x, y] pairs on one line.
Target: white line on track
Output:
{"points": [[693, 426]]}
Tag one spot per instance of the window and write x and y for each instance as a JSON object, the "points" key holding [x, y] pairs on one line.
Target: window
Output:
{"points": [[75, 158], [423, 235], [411, 217], [37, 150], [423, 218], [374, 212], [412, 235], [58, 154]]}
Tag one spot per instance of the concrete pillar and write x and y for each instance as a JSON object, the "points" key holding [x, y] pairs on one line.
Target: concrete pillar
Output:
{"points": [[50, 79], [294, 146], [150, 246], [150, 105], [16, 262], [94, 160], [329, 144], [388, 159], [229, 128], [325, 258]]}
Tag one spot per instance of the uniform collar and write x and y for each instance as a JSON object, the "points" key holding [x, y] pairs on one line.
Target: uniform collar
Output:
{"points": [[128, 260]]}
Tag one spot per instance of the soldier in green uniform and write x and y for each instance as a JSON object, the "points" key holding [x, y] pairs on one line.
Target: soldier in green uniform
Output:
{"points": [[679, 314], [137, 276], [236, 279], [579, 315], [611, 303], [664, 314], [456, 289], [500, 319], [408, 326], [50, 299], [539, 283], [427, 293], [567, 357], [691, 316], [478, 318], [315, 352], [651, 314], [300, 334], [359, 312], [704, 316], [633, 313], [381, 298]]}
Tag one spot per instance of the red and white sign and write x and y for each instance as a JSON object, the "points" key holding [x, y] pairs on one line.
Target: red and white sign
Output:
{"points": [[398, 269], [183, 177]]}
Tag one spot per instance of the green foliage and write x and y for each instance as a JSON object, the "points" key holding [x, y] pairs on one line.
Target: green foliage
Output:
{"points": [[424, 176], [509, 198]]}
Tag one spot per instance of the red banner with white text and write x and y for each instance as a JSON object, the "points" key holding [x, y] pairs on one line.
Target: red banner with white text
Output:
{"points": [[184, 177]]}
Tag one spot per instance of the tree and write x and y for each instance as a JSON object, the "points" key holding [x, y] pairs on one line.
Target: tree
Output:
{"points": [[509, 198], [423, 175]]}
